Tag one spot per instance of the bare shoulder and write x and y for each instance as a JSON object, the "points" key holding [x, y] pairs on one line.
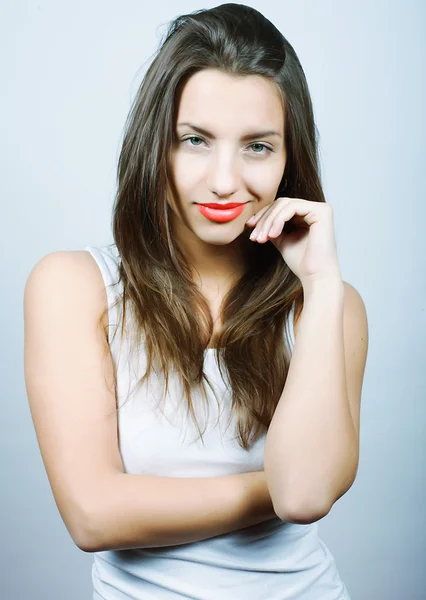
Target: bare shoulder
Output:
{"points": [[77, 263], [74, 273]]}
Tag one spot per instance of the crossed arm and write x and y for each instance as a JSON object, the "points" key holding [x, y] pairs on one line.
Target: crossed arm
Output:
{"points": [[312, 445]]}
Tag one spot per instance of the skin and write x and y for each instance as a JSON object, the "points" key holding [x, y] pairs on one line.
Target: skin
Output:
{"points": [[223, 167]]}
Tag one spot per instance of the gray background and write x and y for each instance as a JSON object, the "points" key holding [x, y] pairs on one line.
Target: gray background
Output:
{"points": [[70, 71]]}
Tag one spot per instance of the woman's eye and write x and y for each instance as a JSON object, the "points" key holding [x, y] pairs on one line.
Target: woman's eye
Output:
{"points": [[261, 146], [194, 137]]}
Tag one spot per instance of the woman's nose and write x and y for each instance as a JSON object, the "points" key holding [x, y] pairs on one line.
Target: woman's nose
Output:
{"points": [[223, 175]]}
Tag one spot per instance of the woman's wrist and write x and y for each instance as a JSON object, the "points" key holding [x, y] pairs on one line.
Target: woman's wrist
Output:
{"points": [[256, 500]]}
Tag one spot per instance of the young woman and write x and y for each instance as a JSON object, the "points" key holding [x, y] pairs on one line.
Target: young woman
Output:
{"points": [[223, 272]]}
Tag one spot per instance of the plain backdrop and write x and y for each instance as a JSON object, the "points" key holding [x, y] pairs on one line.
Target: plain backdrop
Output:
{"points": [[70, 71]]}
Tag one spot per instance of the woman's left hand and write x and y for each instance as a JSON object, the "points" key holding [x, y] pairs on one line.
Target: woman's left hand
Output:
{"points": [[309, 245]]}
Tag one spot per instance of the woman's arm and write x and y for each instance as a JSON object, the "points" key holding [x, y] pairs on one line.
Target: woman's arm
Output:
{"points": [[312, 445], [70, 387], [144, 511]]}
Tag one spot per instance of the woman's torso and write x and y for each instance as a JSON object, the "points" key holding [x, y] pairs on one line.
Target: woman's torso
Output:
{"points": [[273, 560]]}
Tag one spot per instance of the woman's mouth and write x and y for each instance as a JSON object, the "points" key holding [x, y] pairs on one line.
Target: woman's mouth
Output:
{"points": [[221, 212]]}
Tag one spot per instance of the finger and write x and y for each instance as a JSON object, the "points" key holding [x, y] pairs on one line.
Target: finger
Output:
{"points": [[275, 218], [260, 217], [255, 218], [303, 212]]}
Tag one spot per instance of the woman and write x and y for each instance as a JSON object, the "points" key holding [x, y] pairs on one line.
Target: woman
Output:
{"points": [[223, 243]]}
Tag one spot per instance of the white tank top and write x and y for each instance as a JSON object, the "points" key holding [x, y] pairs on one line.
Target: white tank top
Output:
{"points": [[273, 560]]}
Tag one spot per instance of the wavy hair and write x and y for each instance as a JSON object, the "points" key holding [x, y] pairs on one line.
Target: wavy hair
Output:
{"points": [[170, 316]]}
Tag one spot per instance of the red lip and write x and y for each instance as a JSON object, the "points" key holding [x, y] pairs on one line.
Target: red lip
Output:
{"points": [[223, 206], [221, 213]]}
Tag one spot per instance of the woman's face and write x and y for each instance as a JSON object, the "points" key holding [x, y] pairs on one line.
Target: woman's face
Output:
{"points": [[229, 148]]}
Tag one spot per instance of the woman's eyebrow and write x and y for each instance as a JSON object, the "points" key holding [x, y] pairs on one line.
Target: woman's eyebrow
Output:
{"points": [[246, 137]]}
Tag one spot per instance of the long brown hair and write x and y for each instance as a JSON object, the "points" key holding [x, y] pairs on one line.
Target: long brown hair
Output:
{"points": [[170, 317]]}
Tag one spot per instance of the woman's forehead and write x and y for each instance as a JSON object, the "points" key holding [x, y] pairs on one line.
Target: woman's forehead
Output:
{"points": [[211, 98]]}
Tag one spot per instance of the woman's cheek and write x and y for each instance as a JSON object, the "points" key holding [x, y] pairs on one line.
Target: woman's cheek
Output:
{"points": [[189, 168], [265, 186]]}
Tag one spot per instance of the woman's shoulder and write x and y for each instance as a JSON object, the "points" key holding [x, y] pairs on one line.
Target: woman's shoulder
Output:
{"points": [[70, 263], [69, 276]]}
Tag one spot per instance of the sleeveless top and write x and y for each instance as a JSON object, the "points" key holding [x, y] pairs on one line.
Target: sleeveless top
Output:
{"points": [[272, 560]]}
